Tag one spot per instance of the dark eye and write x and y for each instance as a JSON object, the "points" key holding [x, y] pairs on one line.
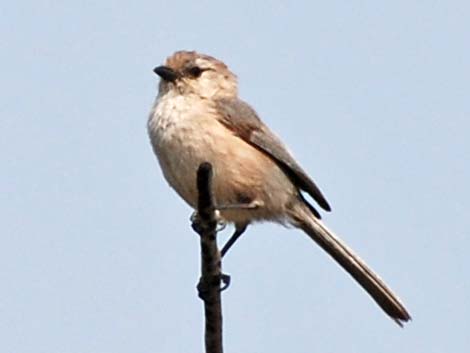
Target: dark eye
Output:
{"points": [[194, 71]]}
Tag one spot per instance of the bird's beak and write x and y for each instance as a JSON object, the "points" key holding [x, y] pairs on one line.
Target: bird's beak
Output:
{"points": [[166, 73]]}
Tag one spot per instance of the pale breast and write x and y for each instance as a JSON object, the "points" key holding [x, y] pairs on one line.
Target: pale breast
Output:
{"points": [[185, 132]]}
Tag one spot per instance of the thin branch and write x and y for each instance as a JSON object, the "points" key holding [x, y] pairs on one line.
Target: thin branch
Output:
{"points": [[209, 284]]}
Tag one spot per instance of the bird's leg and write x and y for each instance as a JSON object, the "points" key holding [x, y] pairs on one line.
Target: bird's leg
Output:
{"points": [[239, 229], [238, 232]]}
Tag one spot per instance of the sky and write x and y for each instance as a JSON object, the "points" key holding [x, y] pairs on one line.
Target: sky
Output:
{"points": [[97, 254]]}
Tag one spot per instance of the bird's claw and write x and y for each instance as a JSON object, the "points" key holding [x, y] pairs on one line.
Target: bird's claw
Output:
{"points": [[203, 287], [196, 222], [225, 281], [221, 224]]}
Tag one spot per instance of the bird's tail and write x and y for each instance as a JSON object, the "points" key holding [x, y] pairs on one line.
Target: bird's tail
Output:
{"points": [[338, 250]]}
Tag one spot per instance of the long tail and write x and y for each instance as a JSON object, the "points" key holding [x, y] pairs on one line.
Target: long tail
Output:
{"points": [[352, 263]]}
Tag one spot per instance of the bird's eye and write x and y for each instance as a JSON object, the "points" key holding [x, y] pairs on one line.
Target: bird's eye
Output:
{"points": [[194, 71]]}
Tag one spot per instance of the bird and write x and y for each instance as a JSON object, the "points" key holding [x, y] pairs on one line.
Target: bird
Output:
{"points": [[198, 117]]}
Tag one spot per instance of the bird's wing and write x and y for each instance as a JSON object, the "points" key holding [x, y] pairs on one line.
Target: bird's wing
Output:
{"points": [[243, 121]]}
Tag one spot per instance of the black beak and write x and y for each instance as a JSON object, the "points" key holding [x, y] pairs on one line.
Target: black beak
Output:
{"points": [[166, 73]]}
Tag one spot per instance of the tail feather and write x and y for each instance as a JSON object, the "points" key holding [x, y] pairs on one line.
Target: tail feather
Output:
{"points": [[353, 264]]}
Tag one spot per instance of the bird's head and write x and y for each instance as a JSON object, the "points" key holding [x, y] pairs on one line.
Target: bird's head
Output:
{"points": [[188, 72]]}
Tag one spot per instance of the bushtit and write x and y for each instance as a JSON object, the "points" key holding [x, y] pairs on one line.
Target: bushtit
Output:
{"points": [[197, 117]]}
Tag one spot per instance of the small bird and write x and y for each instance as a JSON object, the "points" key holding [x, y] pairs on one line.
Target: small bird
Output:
{"points": [[198, 117]]}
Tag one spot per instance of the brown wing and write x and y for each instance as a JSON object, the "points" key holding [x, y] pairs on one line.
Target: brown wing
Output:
{"points": [[239, 117]]}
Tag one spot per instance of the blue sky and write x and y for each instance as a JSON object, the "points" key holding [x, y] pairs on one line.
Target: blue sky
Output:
{"points": [[97, 253]]}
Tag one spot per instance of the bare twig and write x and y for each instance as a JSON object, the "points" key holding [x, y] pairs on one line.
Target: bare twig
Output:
{"points": [[209, 284]]}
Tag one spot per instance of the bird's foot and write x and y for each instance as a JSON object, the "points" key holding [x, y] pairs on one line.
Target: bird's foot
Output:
{"points": [[204, 286], [196, 222]]}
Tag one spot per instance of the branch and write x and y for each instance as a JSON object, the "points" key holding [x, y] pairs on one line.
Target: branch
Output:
{"points": [[209, 284]]}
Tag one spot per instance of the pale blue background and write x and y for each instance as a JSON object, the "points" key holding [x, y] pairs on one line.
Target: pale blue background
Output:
{"points": [[96, 251]]}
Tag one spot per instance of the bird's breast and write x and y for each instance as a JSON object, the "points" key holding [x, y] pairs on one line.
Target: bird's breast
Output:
{"points": [[186, 132]]}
